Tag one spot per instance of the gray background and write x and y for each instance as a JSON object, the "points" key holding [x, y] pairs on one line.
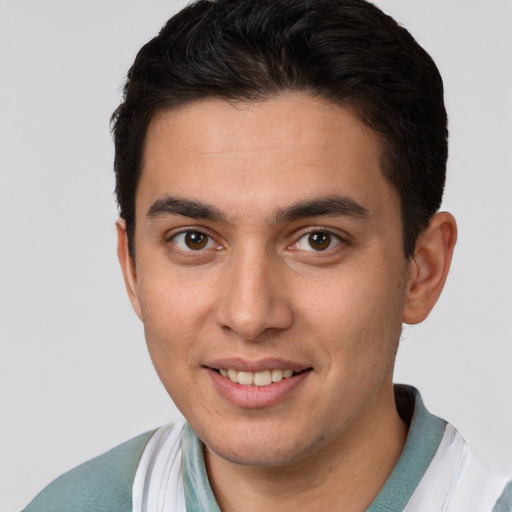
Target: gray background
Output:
{"points": [[75, 378]]}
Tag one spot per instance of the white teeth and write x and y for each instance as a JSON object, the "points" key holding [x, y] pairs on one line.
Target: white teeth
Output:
{"points": [[245, 378], [277, 375], [263, 378]]}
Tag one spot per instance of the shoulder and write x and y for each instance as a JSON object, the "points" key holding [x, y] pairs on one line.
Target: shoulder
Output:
{"points": [[449, 476], [459, 480], [99, 485], [479, 487]]}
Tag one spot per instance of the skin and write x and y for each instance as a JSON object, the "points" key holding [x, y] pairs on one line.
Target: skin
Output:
{"points": [[260, 290]]}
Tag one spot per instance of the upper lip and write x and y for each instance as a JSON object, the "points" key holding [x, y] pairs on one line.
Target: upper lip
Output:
{"points": [[243, 365]]}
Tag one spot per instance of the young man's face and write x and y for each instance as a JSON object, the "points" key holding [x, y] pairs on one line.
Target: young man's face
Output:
{"points": [[268, 239]]}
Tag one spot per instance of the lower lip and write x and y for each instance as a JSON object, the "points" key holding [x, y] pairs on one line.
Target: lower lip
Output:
{"points": [[254, 397]]}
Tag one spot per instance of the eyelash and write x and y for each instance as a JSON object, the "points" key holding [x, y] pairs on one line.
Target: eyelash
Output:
{"points": [[331, 238], [190, 232]]}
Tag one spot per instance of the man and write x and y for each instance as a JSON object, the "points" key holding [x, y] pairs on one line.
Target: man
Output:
{"points": [[280, 166]]}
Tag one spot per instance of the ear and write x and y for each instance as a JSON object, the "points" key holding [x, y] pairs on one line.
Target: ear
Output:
{"points": [[429, 267], [127, 266]]}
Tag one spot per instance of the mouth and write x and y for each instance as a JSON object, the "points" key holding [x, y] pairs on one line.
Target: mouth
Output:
{"points": [[257, 384], [260, 378]]}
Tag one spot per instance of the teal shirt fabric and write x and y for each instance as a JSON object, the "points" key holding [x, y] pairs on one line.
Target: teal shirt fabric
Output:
{"points": [[199, 496], [504, 504], [425, 434], [103, 484]]}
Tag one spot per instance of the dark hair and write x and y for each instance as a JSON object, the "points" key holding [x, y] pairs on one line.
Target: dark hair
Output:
{"points": [[346, 51]]}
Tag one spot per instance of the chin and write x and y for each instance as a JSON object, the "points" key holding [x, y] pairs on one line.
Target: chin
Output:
{"points": [[256, 456], [260, 446]]}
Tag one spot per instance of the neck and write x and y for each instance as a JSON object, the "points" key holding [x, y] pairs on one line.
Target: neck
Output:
{"points": [[346, 474]]}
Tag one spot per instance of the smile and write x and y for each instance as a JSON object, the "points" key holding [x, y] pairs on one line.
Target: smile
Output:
{"points": [[262, 378], [267, 385]]}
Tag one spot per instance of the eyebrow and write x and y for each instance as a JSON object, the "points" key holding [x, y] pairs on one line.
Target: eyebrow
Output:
{"points": [[186, 208], [335, 206], [322, 206]]}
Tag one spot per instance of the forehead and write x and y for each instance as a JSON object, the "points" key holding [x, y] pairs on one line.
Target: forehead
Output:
{"points": [[264, 153]]}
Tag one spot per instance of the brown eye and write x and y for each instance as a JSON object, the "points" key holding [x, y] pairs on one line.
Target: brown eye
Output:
{"points": [[317, 241], [320, 240], [196, 240], [192, 241]]}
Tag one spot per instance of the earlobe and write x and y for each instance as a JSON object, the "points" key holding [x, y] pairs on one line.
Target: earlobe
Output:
{"points": [[127, 265], [429, 267]]}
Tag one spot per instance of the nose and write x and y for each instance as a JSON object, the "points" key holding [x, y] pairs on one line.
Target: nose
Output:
{"points": [[252, 298]]}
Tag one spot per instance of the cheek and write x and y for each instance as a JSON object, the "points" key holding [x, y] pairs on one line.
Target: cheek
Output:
{"points": [[356, 316], [173, 318], [174, 311]]}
